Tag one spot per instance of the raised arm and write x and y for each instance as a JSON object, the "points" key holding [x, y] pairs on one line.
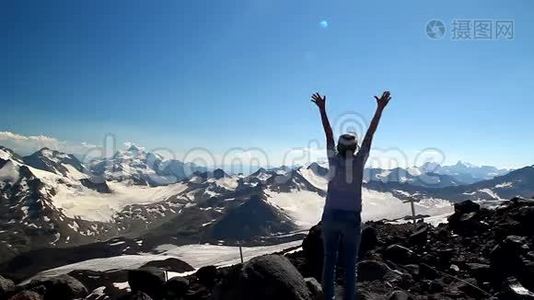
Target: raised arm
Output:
{"points": [[320, 101], [368, 139]]}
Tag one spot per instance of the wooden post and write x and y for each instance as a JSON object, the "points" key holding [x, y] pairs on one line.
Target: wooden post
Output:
{"points": [[411, 200], [413, 210], [241, 253]]}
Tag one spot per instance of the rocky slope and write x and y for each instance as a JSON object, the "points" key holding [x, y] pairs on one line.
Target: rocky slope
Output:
{"points": [[480, 254]]}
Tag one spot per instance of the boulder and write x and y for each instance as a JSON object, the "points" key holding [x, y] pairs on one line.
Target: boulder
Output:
{"points": [[465, 220], [399, 295], [95, 279], [419, 236], [400, 254], [176, 287], [207, 275], [26, 295], [369, 240], [425, 271], [62, 287], [525, 217], [136, 295], [312, 249], [148, 280], [7, 286], [369, 270], [505, 257], [482, 272], [315, 288], [466, 207], [264, 278], [170, 264]]}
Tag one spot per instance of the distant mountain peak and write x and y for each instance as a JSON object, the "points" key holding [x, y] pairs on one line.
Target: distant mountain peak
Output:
{"points": [[131, 147], [53, 161], [219, 173], [465, 164]]}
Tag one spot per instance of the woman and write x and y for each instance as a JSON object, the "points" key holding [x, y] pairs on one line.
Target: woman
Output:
{"points": [[341, 216]]}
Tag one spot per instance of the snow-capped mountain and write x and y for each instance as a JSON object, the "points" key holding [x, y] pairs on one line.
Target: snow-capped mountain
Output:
{"points": [[54, 161], [519, 182], [413, 176], [464, 172], [46, 201], [29, 216], [136, 166]]}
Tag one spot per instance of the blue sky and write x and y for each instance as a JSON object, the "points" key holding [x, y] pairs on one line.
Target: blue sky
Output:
{"points": [[223, 74]]}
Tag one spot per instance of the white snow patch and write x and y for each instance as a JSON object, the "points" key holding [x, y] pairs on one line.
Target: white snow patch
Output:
{"points": [[93, 206], [305, 208], [196, 255], [504, 185], [317, 181], [491, 193], [117, 243]]}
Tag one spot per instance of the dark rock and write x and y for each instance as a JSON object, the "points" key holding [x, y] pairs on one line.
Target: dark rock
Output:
{"points": [[176, 287], [525, 217], [481, 272], [264, 278], [470, 289], [518, 201], [466, 207], [465, 221], [6, 287], [95, 279], [445, 256], [198, 291], [419, 236], [207, 275], [369, 270], [26, 295], [400, 254], [506, 256], [62, 287], [312, 249], [435, 286], [465, 224], [170, 264], [369, 240], [425, 271], [136, 295], [527, 274], [315, 288], [148, 280], [399, 295]]}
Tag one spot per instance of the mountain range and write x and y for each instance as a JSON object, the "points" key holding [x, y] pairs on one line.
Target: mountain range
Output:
{"points": [[51, 200]]}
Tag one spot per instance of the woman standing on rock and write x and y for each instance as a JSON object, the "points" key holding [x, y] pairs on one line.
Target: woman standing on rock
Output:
{"points": [[341, 216]]}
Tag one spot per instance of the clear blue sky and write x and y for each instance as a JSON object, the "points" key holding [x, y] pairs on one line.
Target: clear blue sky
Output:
{"points": [[222, 74]]}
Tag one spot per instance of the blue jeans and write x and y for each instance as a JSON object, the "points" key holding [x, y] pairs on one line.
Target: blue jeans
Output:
{"points": [[340, 228]]}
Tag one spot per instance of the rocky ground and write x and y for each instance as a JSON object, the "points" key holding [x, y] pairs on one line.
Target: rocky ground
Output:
{"points": [[479, 254]]}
